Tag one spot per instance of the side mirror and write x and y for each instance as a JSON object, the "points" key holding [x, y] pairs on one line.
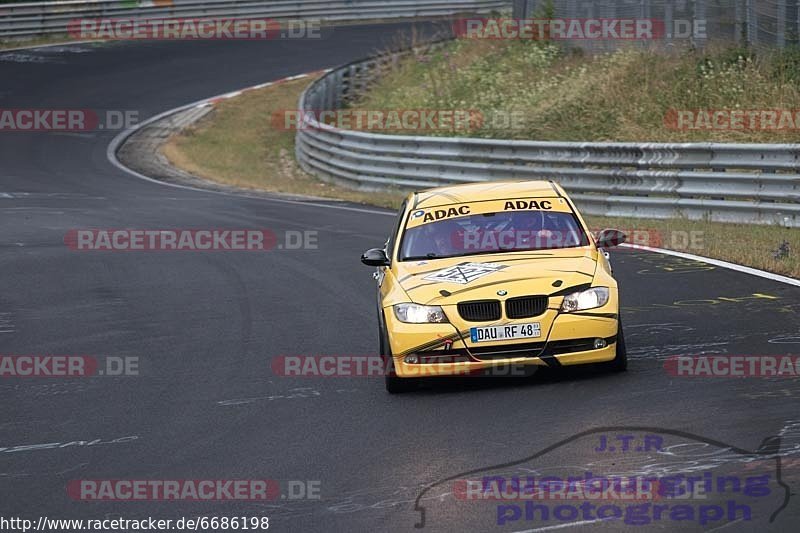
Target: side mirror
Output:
{"points": [[608, 238], [375, 258]]}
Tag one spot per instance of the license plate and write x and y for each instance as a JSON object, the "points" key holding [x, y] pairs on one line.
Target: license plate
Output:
{"points": [[505, 333]]}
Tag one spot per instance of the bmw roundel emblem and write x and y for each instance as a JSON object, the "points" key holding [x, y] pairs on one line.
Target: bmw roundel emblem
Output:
{"points": [[418, 214], [502, 293]]}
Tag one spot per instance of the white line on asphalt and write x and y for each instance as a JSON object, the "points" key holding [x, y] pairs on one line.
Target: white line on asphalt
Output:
{"points": [[116, 142], [724, 526], [723, 264], [562, 526], [50, 45]]}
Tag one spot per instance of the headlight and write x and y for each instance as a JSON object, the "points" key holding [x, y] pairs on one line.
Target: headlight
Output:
{"points": [[588, 299], [419, 314]]}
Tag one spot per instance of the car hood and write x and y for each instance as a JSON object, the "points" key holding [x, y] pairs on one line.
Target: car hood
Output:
{"points": [[485, 277]]}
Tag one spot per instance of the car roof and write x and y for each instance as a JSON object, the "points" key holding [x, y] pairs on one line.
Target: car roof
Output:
{"points": [[487, 190]]}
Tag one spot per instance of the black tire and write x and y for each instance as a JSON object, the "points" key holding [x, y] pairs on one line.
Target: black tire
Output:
{"points": [[394, 384], [620, 362]]}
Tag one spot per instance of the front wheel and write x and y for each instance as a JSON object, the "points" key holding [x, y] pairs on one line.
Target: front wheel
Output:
{"points": [[620, 362]]}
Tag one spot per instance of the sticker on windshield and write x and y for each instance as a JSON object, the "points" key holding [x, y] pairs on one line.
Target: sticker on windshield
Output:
{"points": [[464, 273]]}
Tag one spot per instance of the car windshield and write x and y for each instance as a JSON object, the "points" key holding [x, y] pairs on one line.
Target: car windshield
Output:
{"points": [[492, 233]]}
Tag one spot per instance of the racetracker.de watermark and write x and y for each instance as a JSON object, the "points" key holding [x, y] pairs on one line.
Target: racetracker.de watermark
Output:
{"points": [[482, 241], [642, 238], [751, 120], [552, 488], [377, 366], [66, 120], [203, 240], [733, 366], [67, 366], [604, 29], [193, 29], [192, 490], [422, 120]]}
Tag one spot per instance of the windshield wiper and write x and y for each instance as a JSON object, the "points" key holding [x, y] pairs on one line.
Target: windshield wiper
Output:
{"points": [[422, 257]]}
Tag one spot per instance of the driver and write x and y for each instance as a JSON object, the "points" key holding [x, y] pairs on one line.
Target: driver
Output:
{"points": [[442, 238], [530, 232]]}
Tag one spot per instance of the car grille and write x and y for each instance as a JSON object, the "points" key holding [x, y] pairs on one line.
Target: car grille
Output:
{"points": [[490, 353], [526, 307], [483, 311]]}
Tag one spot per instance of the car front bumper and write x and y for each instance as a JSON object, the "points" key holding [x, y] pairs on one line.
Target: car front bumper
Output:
{"points": [[421, 350]]}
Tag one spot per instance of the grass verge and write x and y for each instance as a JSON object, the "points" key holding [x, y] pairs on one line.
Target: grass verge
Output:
{"points": [[562, 95], [29, 42], [753, 246], [236, 145]]}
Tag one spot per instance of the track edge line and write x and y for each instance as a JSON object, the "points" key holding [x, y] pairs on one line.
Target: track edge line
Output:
{"points": [[120, 138], [718, 262]]}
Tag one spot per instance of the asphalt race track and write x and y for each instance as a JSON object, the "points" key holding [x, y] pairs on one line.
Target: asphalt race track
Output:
{"points": [[205, 327]]}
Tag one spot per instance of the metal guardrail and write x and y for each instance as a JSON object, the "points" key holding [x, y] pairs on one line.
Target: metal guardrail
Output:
{"points": [[746, 183], [37, 19]]}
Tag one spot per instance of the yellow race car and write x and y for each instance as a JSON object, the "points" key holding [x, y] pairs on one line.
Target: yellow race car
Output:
{"points": [[494, 275]]}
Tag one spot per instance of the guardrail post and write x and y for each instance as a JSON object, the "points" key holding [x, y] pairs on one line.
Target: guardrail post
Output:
{"points": [[328, 92], [351, 82], [797, 23], [699, 14], [739, 27], [337, 100], [669, 24], [643, 9], [523, 8], [752, 23], [530, 8]]}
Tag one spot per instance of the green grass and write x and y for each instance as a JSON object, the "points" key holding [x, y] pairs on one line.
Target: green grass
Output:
{"points": [[237, 145], [28, 42], [747, 245], [565, 96]]}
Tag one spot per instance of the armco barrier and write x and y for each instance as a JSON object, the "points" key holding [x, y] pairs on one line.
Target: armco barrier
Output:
{"points": [[38, 19], [747, 183]]}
